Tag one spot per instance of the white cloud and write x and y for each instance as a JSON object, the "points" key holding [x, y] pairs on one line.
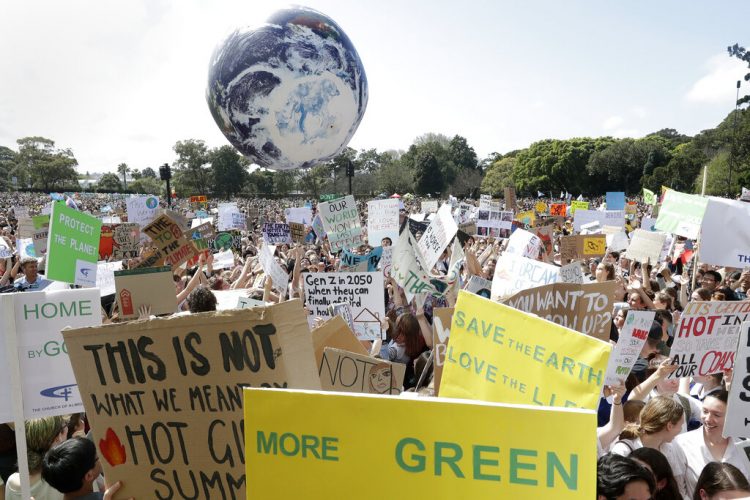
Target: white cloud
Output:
{"points": [[612, 122], [627, 132], [639, 111], [717, 86]]}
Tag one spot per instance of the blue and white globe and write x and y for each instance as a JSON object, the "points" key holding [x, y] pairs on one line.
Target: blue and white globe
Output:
{"points": [[290, 93]]}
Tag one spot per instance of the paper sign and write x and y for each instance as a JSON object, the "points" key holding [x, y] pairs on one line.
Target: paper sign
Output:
{"points": [[725, 237], [681, 214], [277, 234], [382, 221], [441, 330], [363, 291], [230, 217], [429, 206], [514, 273], [479, 286], [105, 276], [224, 260], [40, 241], [737, 423], [584, 308], [125, 240], [646, 245], [5, 250], [73, 246], [165, 395], [528, 218], [344, 371], [571, 273], [558, 209], [335, 333], [410, 271], [524, 244], [142, 209], [300, 215], [625, 353], [615, 200], [439, 233], [153, 286], [279, 277], [499, 354], [25, 228], [341, 223], [386, 261], [482, 450], [604, 217], [578, 205]]}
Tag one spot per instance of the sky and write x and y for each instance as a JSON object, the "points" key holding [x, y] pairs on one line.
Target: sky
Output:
{"points": [[122, 81]]}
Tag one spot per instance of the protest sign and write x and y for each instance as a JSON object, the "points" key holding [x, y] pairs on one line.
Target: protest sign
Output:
{"points": [[247, 303], [300, 215], [386, 261], [705, 340], [382, 221], [540, 207], [479, 286], [344, 371], [363, 291], [203, 232], [198, 199], [646, 245], [277, 234], [105, 276], [229, 299], [125, 239], [230, 217], [111, 219], [604, 217], [297, 232], [558, 209], [224, 260], [73, 246], [725, 236], [510, 198], [201, 219], [410, 271], [681, 214], [437, 236], [165, 395], [625, 353], [584, 308], [576, 205], [341, 223], [153, 287], [485, 201], [514, 273], [25, 247], [317, 226], [25, 228], [142, 209], [615, 200], [528, 218], [648, 223], [172, 247], [35, 320], [335, 333], [5, 249], [39, 237], [524, 244], [631, 208], [429, 206], [279, 277], [571, 273], [441, 326], [618, 241], [439, 449], [344, 310], [737, 422], [582, 246], [520, 359], [227, 240]]}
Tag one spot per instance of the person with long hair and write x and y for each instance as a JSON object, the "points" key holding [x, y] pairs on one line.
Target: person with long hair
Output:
{"points": [[657, 463], [721, 481], [621, 477], [706, 444]]}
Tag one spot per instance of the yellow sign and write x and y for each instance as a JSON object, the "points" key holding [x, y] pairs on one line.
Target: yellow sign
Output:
{"points": [[430, 449], [527, 217], [500, 354], [575, 205], [540, 207], [594, 245]]}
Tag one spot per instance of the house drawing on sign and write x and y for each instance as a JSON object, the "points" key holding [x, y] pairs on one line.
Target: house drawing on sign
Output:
{"points": [[367, 325]]}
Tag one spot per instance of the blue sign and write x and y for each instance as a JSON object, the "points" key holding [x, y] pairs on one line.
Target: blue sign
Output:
{"points": [[615, 200]]}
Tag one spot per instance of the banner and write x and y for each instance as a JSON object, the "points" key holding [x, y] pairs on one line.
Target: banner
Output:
{"points": [[706, 338], [499, 354], [737, 423], [725, 237], [344, 371], [152, 286], [382, 221], [681, 214], [142, 209], [73, 246], [584, 308], [514, 273], [438, 235], [49, 387], [341, 223], [604, 217], [615, 200], [437, 449], [645, 245], [277, 233], [165, 395], [279, 277], [441, 331], [625, 353], [363, 291]]}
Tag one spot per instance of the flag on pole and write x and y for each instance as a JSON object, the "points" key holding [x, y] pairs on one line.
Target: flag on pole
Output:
{"points": [[539, 194], [649, 197]]}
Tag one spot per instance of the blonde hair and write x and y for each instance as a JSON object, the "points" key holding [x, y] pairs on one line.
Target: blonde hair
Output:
{"points": [[655, 416], [40, 435]]}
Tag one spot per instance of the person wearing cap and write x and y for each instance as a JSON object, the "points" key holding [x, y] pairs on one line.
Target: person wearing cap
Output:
{"points": [[31, 279]]}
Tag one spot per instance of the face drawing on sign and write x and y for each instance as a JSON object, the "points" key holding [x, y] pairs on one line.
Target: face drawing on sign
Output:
{"points": [[381, 379]]}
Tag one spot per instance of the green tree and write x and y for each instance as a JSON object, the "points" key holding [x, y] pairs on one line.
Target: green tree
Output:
{"points": [[124, 170], [499, 176], [716, 180], [109, 182], [461, 154], [7, 165], [148, 172], [742, 54], [427, 176], [44, 166], [622, 165], [313, 180], [192, 172], [229, 171], [147, 185], [394, 175], [284, 182]]}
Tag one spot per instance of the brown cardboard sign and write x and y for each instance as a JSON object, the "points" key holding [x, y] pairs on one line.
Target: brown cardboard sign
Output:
{"points": [[584, 308], [164, 396], [582, 247], [152, 286], [344, 371], [172, 247], [297, 231], [441, 328], [335, 333]]}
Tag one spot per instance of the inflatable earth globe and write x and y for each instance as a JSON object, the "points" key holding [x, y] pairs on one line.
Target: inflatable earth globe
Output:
{"points": [[290, 93]]}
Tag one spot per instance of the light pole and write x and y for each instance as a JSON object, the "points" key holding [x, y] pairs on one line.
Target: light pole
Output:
{"points": [[734, 139]]}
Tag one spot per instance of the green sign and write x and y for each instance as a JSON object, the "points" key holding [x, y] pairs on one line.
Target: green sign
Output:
{"points": [[329, 197], [681, 214], [72, 246]]}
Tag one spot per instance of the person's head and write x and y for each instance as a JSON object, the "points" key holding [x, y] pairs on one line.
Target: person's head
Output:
{"points": [[661, 415], [664, 318], [386, 242], [41, 435], [713, 413], [700, 294], [72, 466], [622, 478], [710, 381], [657, 463], [710, 280], [29, 268], [721, 481], [662, 300], [201, 299], [605, 271], [619, 319], [407, 332], [631, 410], [635, 301]]}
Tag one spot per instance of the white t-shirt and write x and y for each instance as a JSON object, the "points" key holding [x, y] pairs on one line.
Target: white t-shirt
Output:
{"points": [[698, 455], [40, 490], [674, 454]]}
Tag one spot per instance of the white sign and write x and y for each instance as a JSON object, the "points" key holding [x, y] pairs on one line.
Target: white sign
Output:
{"points": [[199, 221], [386, 261], [142, 209], [341, 222], [571, 273], [382, 221], [737, 423], [604, 217], [618, 242], [230, 217], [273, 269], [514, 273], [725, 234], [625, 353], [224, 260], [524, 244], [429, 206], [363, 291], [5, 249], [437, 236], [105, 276], [300, 215], [645, 245]]}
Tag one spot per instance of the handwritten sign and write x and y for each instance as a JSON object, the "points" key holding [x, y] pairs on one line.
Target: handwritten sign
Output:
{"points": [[279, 277], [524, 244], [558, 209], [172, 248], [344, 371], [646, 245], [737, 423], [441, 330], [437, 236], [625, 353], [277, 233], [514, 273], [382, 221], [429, 206], [341, 223], [142, 209]]}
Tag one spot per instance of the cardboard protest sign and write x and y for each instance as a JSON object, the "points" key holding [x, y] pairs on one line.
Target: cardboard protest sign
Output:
{"points": [[558, 209], [125, 240], [527, 218], [737, 423], [429, 206], [518, 452], [497, 353], [582, 247], [725, 236], [510, 198], [681, 214], [344, 371], [614, 218], [441, 330], [615, 200], [277, 233], [625, 353], [576, 205], [335, 333], [172, 247], [279, 277], [203, 232], [514, 273], [382, 221], [72, 246], [152, 286], [524, 244], [363, 291], [35, 319], [105, 276], [341, 223], [247, 303], [297, 232], [25, 228], [142, 209], [631, 208], [584, 308], [438, 235], [645, 245], [165, 395], [705, 340]]}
